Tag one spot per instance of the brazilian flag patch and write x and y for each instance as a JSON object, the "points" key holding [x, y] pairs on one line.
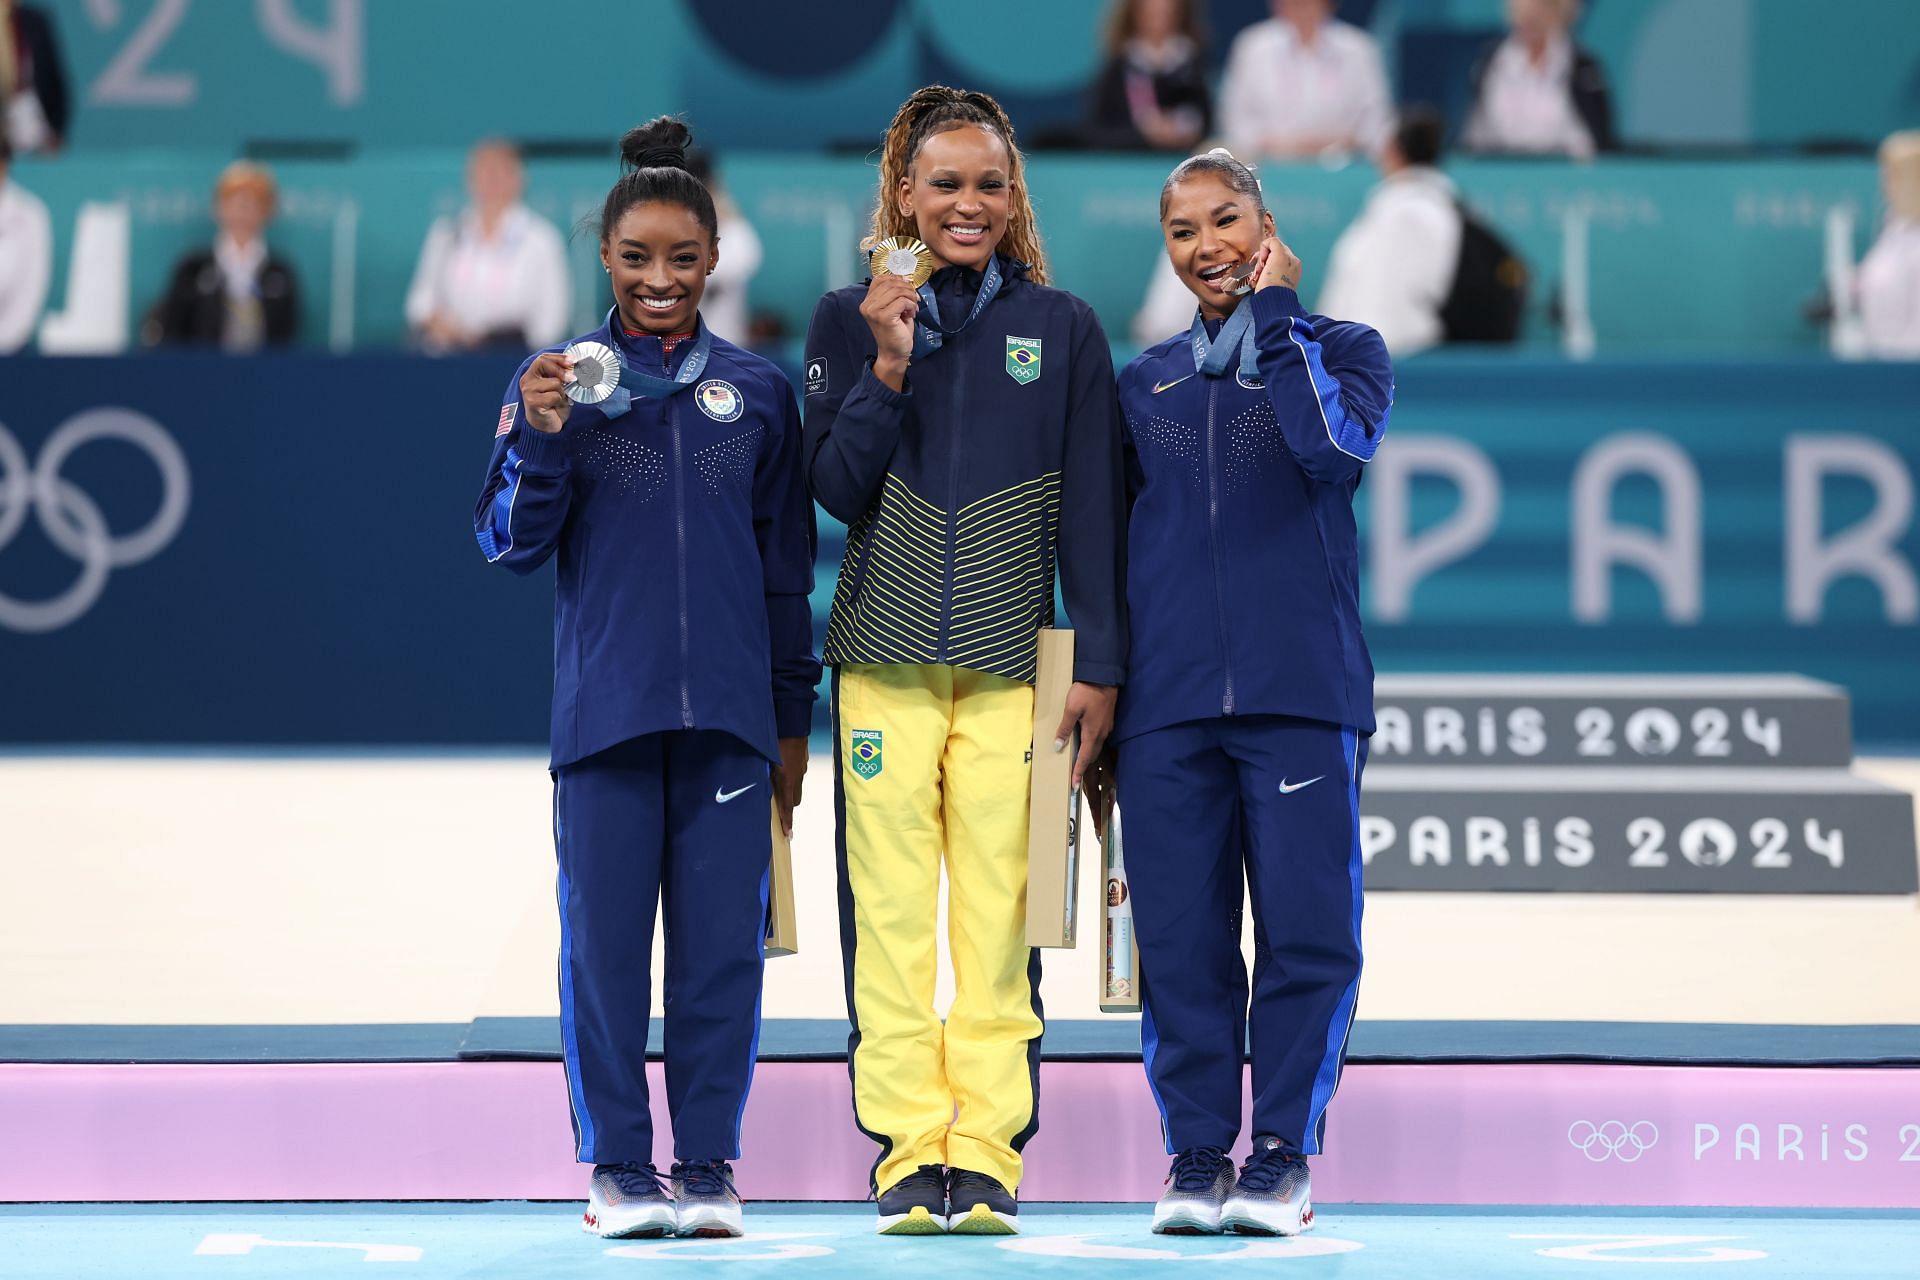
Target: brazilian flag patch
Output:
{"points": [[866, 753], [1023, 358]]}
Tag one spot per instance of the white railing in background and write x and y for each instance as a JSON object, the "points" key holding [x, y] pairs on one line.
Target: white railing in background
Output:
{"points": [[1576, 321]]}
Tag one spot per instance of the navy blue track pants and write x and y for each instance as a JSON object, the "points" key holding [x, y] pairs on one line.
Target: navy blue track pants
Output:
{"points": [[679, 819], [1275, 799]]}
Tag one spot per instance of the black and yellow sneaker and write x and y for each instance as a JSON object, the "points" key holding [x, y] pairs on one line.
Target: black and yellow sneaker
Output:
{"points": [[978, 1205], [916, 1205]]}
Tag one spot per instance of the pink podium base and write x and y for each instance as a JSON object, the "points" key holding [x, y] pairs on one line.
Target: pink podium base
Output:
{"points": [[1429, 1134]]}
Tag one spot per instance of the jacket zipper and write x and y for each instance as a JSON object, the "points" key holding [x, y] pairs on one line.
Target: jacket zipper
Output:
{"points": [[1213, 543], [680, 540], [953, 514]]}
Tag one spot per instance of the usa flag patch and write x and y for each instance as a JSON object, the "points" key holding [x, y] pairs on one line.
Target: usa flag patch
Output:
{"points": [[506, 419]]}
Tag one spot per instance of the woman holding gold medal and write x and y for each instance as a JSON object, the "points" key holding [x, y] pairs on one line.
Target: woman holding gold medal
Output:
{"points": [[960, 418], [1243, 732]]}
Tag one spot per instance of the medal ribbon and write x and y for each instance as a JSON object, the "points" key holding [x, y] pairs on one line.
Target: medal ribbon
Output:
{"points": [[649, 386], [928, 334], [1210, 356]]}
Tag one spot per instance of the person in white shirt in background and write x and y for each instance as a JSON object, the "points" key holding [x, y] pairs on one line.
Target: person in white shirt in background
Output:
{"points": [[496, 273], [724, 305], [1538, 92], [1302, 84], [26, 256], [1394, 266], [1888, 282]]}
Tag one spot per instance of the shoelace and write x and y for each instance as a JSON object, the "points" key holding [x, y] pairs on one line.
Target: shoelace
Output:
{"points": [[638, 1179], [1266, 1168], [1196, 1169], [706, 1177], [966, 1180]]}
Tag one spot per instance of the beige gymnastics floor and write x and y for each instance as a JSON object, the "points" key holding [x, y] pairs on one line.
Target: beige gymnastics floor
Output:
{"points": [[324, 890]]}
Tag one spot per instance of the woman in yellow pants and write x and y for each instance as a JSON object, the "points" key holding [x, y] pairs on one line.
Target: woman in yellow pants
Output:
{"points": [[965, 428]]}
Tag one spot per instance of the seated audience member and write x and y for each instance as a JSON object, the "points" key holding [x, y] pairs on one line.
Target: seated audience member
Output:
{"points": [[1394, 266], [26, 257], [33, 84], [494, 275], [1301, 84], [1537, 91], [1889, 277], [1167, 308], [724, 305], [1152, 92], [235, 295]]}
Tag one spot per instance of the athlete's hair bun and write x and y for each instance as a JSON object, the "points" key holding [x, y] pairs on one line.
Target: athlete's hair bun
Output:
{"points": [[661, 143]]}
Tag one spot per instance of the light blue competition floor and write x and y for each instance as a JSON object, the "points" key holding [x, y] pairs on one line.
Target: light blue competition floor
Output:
{"points": [[159, 1242]]}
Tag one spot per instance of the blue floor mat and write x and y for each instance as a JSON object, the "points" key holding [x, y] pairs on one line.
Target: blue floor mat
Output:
{"points": [[483, 1242]]}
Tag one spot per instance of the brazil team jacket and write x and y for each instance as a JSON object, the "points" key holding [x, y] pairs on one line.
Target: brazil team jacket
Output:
{"points": [[1000, 461], [685, 542], [1242, 572]]}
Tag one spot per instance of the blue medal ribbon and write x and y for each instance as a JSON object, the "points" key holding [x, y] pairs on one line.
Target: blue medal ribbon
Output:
{"points": [[928, 333], [1210, 355], [650, 386]]}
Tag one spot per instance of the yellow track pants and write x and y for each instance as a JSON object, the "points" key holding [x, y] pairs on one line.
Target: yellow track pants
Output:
{"points": [[932, 761]]}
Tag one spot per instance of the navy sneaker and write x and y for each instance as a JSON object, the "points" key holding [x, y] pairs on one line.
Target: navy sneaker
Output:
{"points": [[705, 1199], [1273, 1196], [916, 1205], [627, 1200], [1197, 1186], [978, 1205]]}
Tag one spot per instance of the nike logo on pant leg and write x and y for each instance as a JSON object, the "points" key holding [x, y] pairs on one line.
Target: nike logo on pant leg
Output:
{"points": [[721, 797], [1288, 789]]}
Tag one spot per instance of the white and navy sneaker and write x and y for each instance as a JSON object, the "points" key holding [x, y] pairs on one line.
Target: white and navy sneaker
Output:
{"points": [[704, 1196], [1273, 1196], [916, 1205], [627, 1201], [979, 1205], [1197, 1186]]}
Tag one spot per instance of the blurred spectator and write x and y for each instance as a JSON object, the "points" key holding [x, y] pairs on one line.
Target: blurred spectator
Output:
{"points": [[235, 295], [1152, 92], [724, 307], [1168, 307], [33, 84], [1302, 84], [1539, 92], [495, 274], [1394, 266], [1889, 277], [26, 256]]}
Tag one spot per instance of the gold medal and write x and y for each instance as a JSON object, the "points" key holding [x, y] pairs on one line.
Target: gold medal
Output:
{"points": [[902, 256]]}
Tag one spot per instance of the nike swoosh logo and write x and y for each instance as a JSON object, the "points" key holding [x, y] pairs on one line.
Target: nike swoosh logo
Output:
{"points": [[1163, 386], [721, 797], [1287, 789]]}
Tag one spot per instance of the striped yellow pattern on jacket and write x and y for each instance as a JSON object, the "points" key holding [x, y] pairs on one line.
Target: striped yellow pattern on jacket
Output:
{"points": [[902, 596]]}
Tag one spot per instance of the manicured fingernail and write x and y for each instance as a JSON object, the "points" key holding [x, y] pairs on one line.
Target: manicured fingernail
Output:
{"points": [[1059, 744]]}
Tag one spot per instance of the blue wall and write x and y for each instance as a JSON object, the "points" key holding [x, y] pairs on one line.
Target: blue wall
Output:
{"points": [[324, 586], [772, 73]]}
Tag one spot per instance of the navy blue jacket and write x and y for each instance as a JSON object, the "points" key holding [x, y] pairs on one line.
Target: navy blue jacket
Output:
{"points": [[960, 494], [1242, 572], [686, 552]]}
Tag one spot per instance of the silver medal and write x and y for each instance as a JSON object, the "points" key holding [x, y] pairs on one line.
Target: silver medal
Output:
{"points": [[596, 372]]}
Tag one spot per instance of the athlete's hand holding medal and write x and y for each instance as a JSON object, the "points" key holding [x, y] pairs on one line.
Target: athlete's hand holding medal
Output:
{"points": [[900, 266], [1275, 264], [544, 390]]}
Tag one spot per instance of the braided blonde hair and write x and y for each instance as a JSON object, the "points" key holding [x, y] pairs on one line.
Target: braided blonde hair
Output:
{"points": [[935, 109]]}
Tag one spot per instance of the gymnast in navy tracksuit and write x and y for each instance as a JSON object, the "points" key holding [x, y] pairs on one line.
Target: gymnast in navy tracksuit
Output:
{"points": [[683, 687], [1243, 726]]}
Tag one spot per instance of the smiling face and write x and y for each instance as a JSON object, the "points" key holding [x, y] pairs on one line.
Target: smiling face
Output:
{"points": [[659, 256], [1210, 229], [958, 193]]}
